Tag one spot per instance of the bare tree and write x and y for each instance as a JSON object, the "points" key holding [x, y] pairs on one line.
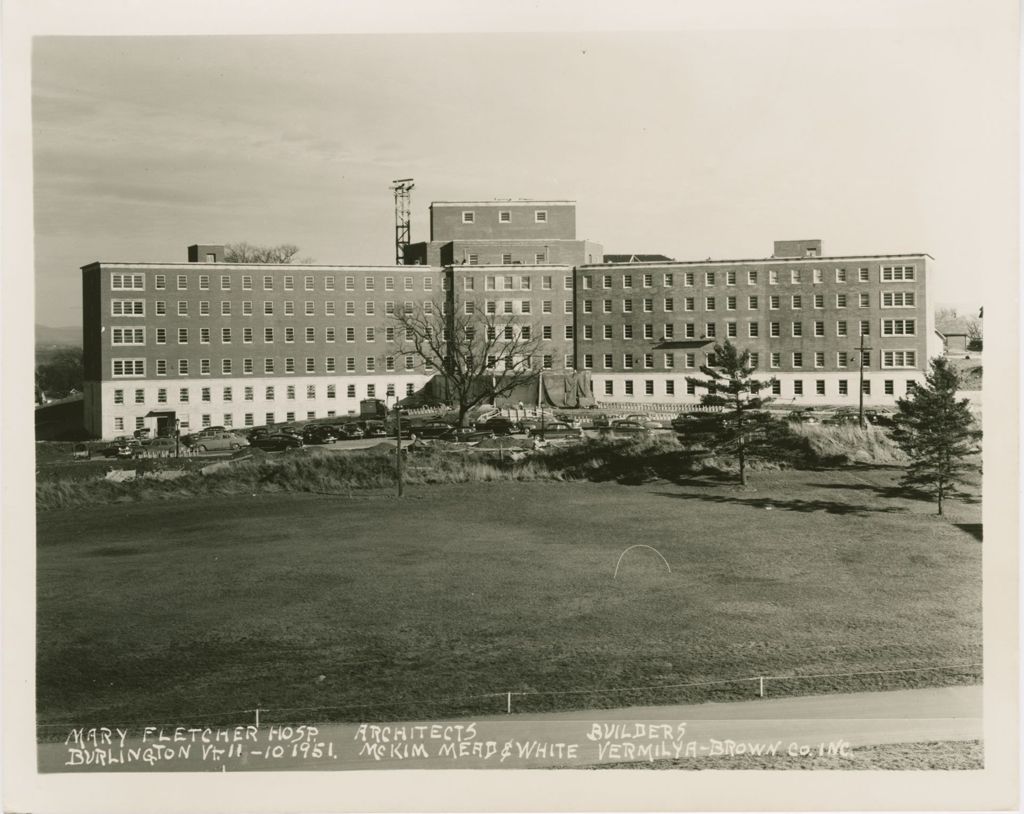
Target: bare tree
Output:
{"points": [[482, 356], [247, 253]]}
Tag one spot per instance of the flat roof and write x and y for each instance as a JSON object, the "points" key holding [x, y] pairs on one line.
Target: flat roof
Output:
{"points": [[502, 202], [254, 266], [783, 260]]}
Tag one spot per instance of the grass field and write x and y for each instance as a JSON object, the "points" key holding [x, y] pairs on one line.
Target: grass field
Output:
{"points": [[360, 608]]}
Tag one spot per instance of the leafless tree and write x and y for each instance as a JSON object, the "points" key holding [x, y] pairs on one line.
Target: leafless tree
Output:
{"points": [[482, 356], [247, 253]]}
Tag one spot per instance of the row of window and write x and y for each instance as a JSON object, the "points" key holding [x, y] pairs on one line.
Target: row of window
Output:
{"points": [[137, 336], [505, 216], [136, 368], [136, 282], [890, 327], [842, 389], [890, 359], [888, 299], [137, 308], [248, 393], [886, 274], [507, 282]]}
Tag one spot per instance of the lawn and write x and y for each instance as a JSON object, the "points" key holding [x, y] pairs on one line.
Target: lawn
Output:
{"points": [[318, 608]]}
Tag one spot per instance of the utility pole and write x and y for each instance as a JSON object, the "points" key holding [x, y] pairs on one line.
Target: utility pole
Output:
{"points": [[860, 393], [398, 445]]}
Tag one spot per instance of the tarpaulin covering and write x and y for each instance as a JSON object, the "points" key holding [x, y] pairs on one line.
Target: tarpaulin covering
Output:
{"points": [[567, 389]]}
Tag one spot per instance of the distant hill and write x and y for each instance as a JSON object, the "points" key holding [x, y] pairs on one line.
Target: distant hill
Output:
{"points": [[47, 336]]}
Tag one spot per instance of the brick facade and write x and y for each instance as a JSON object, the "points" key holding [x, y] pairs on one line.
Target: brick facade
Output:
{"points": [[220, 343]]}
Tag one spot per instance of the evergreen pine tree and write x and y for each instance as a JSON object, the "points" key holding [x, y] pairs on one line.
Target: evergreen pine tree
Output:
{"points": [[742, 428], [938, 434]]}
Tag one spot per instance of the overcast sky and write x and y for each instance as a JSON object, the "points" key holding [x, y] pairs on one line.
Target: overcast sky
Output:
{"points": [[692, 144]]}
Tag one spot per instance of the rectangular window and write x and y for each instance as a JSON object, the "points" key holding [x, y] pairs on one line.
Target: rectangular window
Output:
{"points": [[819, 300], [128, 308], [469, 217], [798, 387], [797, 301], [897, 274], [862, 275], [730, 303], [225, 367], [819, 358], [897, 299], [773, 277], [204, 367], [844, 388], [840, 275], [709, 278], [819, 328], [798, 359], [798, 329], [866, 387], [160, 307], [182, 282], [204, 336], [130, 336], [774, 301], [183, 395], [840, 300], [160, 282], [776, 359], [899, 327], [817, 276], [268, 283], [161, 395], [268, 365], [775, 329], [753, 329], [794, 276], [865, 327], [841, 359], [841, 328], [730, 330], [629, 387]]}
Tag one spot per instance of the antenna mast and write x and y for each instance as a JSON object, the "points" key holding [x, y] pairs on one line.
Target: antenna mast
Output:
{"points": [[402, 188]]}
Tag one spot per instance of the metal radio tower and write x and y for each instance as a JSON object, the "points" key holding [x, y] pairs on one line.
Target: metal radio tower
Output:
{"points": [[403, 189]]}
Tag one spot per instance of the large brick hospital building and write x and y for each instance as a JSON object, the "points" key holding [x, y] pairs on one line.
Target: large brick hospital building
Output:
{"points": [[212, 343]]}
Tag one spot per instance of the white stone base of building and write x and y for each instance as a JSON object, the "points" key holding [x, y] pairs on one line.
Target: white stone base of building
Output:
{"points": [[818, 389], [107, 414]]}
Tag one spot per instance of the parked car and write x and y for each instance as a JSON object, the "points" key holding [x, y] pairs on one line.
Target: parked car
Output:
{"points": [[803, 417], [554, 429], [122, 447], [205, 442], [649, 421], [143, 433], [684, 422], [432, 429], [843, 417], [348, 431], [373, 429], [319, 434], [500, 425], [161, 446], [276, 442], [465, 434], [628, 425]]}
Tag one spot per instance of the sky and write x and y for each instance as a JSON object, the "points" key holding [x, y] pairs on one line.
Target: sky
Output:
{"points": [[694, 144]]}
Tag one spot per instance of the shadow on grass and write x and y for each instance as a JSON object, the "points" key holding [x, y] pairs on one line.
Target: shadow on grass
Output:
{"points": [[898, 491], [791, 505], [974, 529]]}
